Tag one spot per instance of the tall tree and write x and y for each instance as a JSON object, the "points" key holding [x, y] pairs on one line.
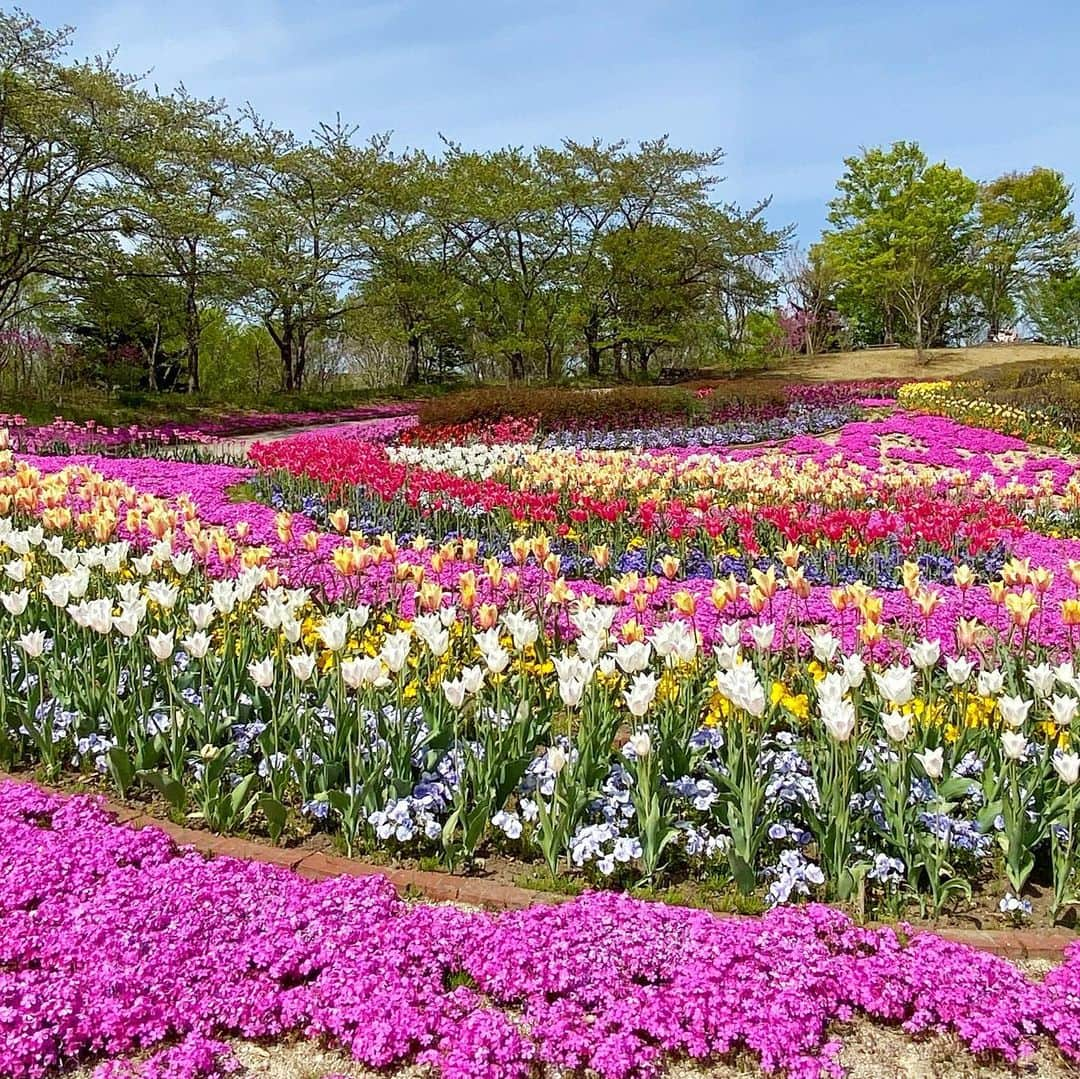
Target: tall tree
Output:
{"points": [[294, 248], [1025, 231], [411, 283], [68, 133], [899, 242], [1053, 306], [177, 211], [502, 217]]}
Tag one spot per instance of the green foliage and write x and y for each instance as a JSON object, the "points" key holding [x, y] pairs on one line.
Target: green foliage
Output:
{"points": [[1053, 306], [158, 242], [1026, 231], [900, 232]]}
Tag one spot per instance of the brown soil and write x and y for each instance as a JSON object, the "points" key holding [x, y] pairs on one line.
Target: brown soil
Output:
{"points": [[902, 362]]}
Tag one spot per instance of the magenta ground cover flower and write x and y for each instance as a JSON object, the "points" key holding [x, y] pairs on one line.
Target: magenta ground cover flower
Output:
{"points": [[113, 940]]}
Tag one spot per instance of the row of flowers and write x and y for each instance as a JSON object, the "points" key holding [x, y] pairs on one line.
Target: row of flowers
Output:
{"points": [[61, 436], [113, 941], [970, 402], [620, 753]]}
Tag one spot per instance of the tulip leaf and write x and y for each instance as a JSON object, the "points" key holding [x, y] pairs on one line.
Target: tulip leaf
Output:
{"points": [[276, 815]]}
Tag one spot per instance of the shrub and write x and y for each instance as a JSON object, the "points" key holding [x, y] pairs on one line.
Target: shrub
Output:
{"points": [[625, 406]]}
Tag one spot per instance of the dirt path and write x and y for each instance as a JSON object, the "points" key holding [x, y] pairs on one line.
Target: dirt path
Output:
{"points": [[902, 363], [239, 445]]}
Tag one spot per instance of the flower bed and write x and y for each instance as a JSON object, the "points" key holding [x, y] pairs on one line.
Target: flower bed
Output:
{"points": [[64, 437], [838, 667], [114, 940]]}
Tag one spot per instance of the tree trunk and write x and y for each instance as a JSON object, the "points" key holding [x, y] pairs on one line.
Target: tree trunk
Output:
{"points": [[152, 378], [617, 359], [412, 361], [192, 333], [920, 345], [300, 364], [285, 343], [592, 338], [517, 366]]}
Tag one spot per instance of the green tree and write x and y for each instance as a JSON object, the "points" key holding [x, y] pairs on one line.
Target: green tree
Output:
{"points": [[295, 249], [69, 132], [410, 289], [503, 220], [1025, 231], [1053, 306], [899, 243], [177, 210]]}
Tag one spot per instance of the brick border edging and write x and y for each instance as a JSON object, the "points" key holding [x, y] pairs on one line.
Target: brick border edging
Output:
{"points": [[1014, 944]]}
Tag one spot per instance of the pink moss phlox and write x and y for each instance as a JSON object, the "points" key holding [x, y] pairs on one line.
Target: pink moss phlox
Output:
{"points": [[113, 941]]}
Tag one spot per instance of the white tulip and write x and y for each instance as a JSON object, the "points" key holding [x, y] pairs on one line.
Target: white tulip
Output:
{"points": [[1014, 710], [1067, 676], [100, 616], [223, 595], [763, 636], [990, 683], [57, 589], [731, 634], [854, 670], [925, 654], [1014, 745], [454, 692], [15, 570], [163, 594], [634, 656], [1067, 766], [161, 644], [127, 622], [522, 629], [33, 643], [183, 563], [933, 762], [556, 760], [641, 693], [571, 691], [959, 669], [333, 631], [825, 646], [897, 725], [641, 744], [129, 592], [1063, 709], [472, 678], [438, 643], [839, 720], [740, 685], [497, 660], [15, 602], [196, 644], [1041, 679], [896, 684], [302, 665], [395, 650], [262, 672], [589, 648], [143, 565]]}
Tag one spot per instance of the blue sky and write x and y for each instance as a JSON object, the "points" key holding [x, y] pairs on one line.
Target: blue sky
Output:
{"points": [[787, 89]]}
